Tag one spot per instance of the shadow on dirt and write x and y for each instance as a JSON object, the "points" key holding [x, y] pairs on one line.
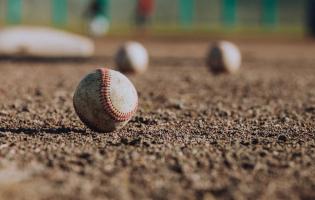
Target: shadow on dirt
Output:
{"points": [[31, 131], [34, 59]]}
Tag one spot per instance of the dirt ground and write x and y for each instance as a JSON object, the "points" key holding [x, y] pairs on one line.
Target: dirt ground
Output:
{"points": [[195, 135]]}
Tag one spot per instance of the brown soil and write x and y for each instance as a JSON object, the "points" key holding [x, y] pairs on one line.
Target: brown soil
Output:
{"points": [[195, 135]]}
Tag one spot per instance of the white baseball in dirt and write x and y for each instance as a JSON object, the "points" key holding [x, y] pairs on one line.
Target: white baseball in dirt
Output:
{"points": [[105, 100], [132, 57], [224, 57]]}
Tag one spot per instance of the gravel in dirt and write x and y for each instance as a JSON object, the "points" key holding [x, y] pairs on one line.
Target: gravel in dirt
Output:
{"points": [[195, 135]]}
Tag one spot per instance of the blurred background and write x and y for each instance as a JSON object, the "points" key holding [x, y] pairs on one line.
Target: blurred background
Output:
{"points": [[166, 17]]}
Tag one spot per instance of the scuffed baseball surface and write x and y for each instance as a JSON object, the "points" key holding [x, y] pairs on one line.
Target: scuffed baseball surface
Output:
{"points": [[105, 105], [43, 42], [223, 57], [122, 93], [132, 57]]}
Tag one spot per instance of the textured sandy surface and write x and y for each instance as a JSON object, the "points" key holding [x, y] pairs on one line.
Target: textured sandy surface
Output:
{"points": [[195, 136]]}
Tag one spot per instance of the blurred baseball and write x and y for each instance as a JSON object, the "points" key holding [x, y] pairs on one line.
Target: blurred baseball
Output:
{"points": [[99, 26], [224, 57], [105, 100], [132, 57], [43, 42]]}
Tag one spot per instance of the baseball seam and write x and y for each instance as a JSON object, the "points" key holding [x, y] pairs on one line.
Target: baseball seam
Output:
{"points": [[104, 94]]}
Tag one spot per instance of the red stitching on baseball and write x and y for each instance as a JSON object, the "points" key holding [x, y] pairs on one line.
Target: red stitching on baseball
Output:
{"points": [[106, 101]]}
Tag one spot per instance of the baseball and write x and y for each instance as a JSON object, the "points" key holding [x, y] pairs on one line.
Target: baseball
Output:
{"points": [[105, 100], [132, 57], [224, 57], [99, 26]]}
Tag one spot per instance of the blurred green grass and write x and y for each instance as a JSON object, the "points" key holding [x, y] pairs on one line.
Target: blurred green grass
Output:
{"points": [[196, 32], [296, 32]]}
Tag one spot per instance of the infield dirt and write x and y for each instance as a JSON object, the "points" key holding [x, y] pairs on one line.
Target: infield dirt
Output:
{"points": [[195, 135]]}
